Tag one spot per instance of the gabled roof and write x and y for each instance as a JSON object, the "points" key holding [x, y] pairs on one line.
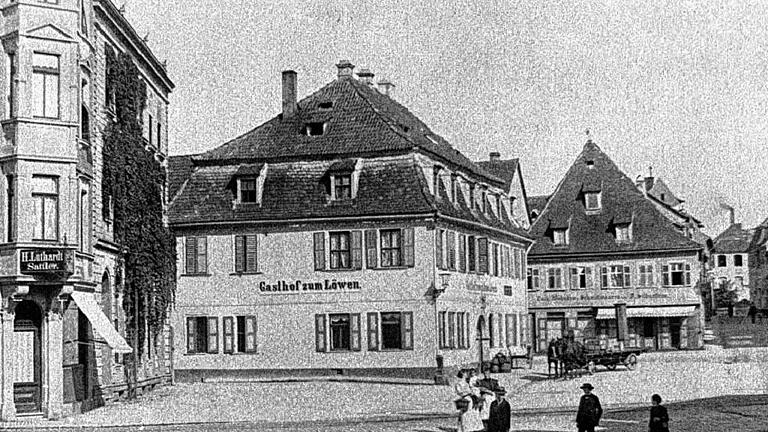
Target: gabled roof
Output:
{"points": [[734, 239], [503, 169], [621, 201], [361, 121]]}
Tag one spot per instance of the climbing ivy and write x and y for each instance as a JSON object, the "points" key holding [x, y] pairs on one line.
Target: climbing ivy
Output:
{"points": [[133, 181]]}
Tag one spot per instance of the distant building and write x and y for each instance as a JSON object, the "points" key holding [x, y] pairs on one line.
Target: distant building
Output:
{"points": [[509, 171], [344, 236], [63, 321], [601, 244], [671, 206], [739, 264]]}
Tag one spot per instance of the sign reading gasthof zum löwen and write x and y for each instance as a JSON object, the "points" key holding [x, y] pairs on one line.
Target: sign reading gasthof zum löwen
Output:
{"points": [[43, 261]]}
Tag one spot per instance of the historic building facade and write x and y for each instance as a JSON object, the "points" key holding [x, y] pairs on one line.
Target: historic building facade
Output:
{"points": [[342, 236], [62, 323], [602, 247]]}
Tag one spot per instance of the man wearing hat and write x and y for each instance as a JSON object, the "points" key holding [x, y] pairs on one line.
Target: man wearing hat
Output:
{"points": [[590, 410], [500, 413]]}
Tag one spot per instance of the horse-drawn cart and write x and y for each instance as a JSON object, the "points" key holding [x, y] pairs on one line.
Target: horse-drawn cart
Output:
{"points": [[611, 359]]}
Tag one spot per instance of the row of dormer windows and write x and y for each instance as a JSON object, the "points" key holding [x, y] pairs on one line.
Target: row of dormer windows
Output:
{"points": [[622, 233]]}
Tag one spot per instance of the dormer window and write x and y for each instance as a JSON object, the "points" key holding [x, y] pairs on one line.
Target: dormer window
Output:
{"points": [[590, 164], [247, 188], [560, 236], [454, 186], [342, 186], [593, 201], [315, 128], [623, 233]]}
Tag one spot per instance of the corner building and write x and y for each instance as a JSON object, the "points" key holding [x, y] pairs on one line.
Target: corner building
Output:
{"points": [[602, 246], [342, 236], [62, 328]]}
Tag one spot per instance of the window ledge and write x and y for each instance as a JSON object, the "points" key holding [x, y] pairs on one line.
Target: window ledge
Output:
{"points": [[243, 353], [189, 354], [339, 351], [556, 290], [252, 273], [340, 270], [196, 275], [390, 268]]}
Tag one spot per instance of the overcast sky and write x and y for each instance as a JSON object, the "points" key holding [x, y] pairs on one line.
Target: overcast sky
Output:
{"points": [[679, 86]]}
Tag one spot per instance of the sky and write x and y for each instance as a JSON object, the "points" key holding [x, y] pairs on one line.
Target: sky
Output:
{"points": [[678, 86]]}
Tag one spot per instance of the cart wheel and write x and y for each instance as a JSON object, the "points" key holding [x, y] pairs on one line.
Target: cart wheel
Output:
{"points": [[610, 366], [631, 361]]}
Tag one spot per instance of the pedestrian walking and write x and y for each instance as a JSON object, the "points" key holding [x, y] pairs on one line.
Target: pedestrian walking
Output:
{"points": [[467, 404], [501, 413], [590, 410], [659, 421]]}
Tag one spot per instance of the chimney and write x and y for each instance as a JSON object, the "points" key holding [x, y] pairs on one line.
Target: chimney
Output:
{"points": [[345, 69], [366, 76], [494, 156], [733, 215], [385, 87], [289, 94]]}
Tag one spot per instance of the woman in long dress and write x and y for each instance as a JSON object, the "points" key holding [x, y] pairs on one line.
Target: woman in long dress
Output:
{"points": [[469, 420]]}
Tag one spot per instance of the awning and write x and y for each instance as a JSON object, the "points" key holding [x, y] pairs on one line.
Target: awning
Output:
{"points": [[648, 312], [100, 322]]}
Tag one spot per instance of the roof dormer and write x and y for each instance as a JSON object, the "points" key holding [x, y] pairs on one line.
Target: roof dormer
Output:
{"points": [[342, 179], [247, 184]]}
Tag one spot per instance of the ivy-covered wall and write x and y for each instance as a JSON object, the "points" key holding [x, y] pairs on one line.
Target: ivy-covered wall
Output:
{"points": [[134, 181]]}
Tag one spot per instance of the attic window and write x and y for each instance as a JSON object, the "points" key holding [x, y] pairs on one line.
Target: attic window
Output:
{"points": [[315, 129], [248, 190], [560, 236], [590, 164], [592, 201], [404, 128], [342, 186], [623, 233], [326, 105]]}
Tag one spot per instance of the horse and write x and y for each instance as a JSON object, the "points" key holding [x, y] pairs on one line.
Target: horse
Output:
{"points": [[554, 351], [574, 358]]}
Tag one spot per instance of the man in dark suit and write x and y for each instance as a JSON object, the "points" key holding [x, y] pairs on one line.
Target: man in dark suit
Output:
{"points": [[590, 410], [500, 413]]}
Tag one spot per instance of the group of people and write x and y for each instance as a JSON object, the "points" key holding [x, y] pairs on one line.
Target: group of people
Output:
{"points": [[590, 411], [482, 404], [483, 407]]}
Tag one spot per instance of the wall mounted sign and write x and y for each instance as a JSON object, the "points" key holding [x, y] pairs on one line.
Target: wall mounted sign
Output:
{"points": [[42, 261], [600, 296], [480, 288], [284, 287]]}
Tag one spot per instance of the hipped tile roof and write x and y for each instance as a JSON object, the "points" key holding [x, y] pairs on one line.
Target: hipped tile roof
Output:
{"points": [[594, 233]]}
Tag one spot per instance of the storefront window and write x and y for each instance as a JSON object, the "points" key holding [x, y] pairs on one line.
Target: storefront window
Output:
{"points": [[340, 332]]}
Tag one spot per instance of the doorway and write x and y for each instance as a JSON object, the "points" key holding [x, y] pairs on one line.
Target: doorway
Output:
{"points": [[481, 338], [26, 357]]}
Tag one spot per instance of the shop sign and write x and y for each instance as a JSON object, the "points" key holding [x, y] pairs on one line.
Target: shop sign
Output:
{"points": [[42, 261], [480, 287], [591, 296], [291, 287]]}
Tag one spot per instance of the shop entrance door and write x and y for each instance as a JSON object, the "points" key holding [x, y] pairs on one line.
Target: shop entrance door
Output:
{"points": [[649, 334], [674, 330], [25, 358]]}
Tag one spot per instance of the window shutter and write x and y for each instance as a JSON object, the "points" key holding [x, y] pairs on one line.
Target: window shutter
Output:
{"points": [[649, 276], [407, 328], [439, 248], [320, 345], [665, 275], [451, 329], [466, 331], [459, 329], [251, 251], [213, 335], [588, 277], [441, 328], [373, 331], [250, 334], [451, 240], [508, 323], [239, 253], [627, 278], [688, 274], [462, 253], [370, 249], [191, 254], [408, 247], [357, 250], [202, 255], [491, 331], [521, 318], [319, 238], [229, 335], [191, 334], [482, 253], [354, 329], [603, 277]]}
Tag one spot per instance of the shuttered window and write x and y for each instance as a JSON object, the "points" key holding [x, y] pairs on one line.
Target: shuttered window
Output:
{"points": [[450, 243], [373, 331], [320, 335], [439, 248], [462, 253], [196, 255], [245, 254], [370, 249], [471, 254], [451, 330], [213, 335], [441, 325], [482, 255], [229, 335], [319, 241], [460, 330]]}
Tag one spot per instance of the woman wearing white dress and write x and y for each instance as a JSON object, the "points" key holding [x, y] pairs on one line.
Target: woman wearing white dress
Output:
{"points": [[470, 420]]}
